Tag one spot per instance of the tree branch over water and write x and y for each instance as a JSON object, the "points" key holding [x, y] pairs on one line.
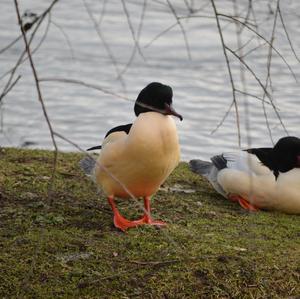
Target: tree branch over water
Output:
{"points": [[40, 97], [230, 75]]}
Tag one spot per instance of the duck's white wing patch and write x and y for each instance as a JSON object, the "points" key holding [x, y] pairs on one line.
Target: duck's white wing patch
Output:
{"points": [[245, 162]]}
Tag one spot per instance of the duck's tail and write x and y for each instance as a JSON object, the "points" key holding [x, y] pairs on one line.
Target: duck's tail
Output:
{"points": [[88, 164], [208, 170], [201, 167]]}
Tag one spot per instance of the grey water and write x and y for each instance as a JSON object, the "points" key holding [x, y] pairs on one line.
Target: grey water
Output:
{"points": [[92, 42]]}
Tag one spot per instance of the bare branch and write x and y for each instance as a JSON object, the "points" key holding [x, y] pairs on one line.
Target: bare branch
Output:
{"points": [[10, 44], [105, 44], [253, 96], [21, 60], [138, 38], [136, 42], [286, 32], [230, 74], [66, 37], [181, 28], [261, 85], [5, 92], [259, 35], [223, 119], [39, 96], [79, 82]]}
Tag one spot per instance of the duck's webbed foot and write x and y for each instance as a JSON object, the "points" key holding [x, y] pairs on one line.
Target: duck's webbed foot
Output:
{"points": [[147, 219], [123, 223], [244, 203]]}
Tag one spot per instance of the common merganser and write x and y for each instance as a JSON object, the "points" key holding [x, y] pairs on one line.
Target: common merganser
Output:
{"points": [[257, 178], [135, 159]]}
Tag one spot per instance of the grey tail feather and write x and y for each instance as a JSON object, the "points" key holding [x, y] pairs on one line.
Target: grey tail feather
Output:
{"points": [[87, 164], [200, 167], [219, 161]]}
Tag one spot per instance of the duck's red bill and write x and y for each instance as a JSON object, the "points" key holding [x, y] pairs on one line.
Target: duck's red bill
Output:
{"points": [[169, 110]]}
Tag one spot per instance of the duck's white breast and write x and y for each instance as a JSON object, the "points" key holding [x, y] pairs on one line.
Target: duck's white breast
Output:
{"points": [[263, 190], [141, 160]]}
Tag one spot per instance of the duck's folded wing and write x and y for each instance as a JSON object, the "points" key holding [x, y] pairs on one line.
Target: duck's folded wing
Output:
{"points": [[242, 161]]}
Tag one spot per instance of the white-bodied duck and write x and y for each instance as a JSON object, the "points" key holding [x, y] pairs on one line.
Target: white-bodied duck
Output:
{"points": [[135, 159], [258, 178]]}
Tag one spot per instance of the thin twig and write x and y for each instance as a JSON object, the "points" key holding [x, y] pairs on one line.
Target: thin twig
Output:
{"points": [[138, 38], [253, 50], [160, 34], [223, 119], [36, 79], [261, 85], [175, 24], [10, 87], [182, 30], [252, 95], [286, 32], [105, 44], [243, 80], [136, 42], [224, 47], [66, 37], [259, 35], [21, 60], [89, 85], [102, 14], [155, 263], [10, 44]]}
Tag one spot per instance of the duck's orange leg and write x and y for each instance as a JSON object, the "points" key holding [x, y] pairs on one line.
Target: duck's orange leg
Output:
{"points": [[243, 203], [123, 223], [147, 219], [119, 221]]}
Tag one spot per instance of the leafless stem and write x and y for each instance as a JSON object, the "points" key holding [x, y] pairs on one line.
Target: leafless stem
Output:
{"points": [[223, 119], [5, 92], [252, 95], [182, 29], [229, 72], [286, 32], [105, 44], [261, 85], [21, 60], [138, 38], [65, 36], [136, 42], [10, 44], [36, 79], [263, 38], [79, 82]]}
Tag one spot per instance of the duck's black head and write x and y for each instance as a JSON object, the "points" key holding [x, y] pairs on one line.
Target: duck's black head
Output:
{"points": [[286, 154], [155, 97]]}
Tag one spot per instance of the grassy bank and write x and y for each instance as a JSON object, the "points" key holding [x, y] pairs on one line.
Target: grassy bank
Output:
{"points": [[70, 249]]}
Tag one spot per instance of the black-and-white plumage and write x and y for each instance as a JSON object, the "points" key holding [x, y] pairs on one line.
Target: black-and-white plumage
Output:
{"points": [[269, 178]]}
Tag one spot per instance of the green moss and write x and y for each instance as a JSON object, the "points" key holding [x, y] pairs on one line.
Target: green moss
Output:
{"points": [[69, 248]]}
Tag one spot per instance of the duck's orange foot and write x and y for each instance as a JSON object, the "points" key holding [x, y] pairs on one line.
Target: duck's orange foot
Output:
{"points": [[148, 220], [243, 203], [123, 223]]}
